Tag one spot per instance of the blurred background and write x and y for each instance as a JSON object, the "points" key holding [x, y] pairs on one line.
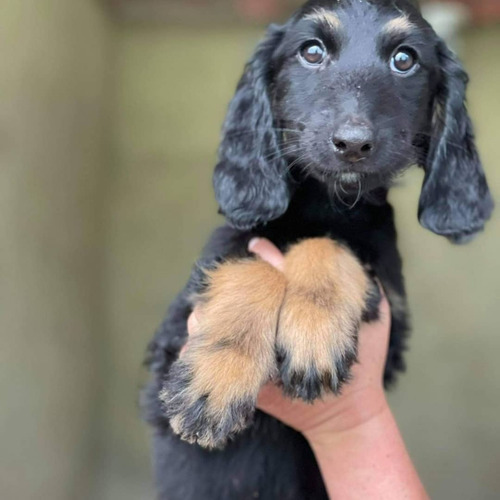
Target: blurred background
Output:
{"points": [[109, 121]]}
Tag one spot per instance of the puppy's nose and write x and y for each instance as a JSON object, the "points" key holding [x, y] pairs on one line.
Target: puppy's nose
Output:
{"points": [[354, 142]]}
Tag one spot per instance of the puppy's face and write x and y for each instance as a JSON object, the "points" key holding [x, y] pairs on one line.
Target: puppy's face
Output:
{"points": [[353, 91]]}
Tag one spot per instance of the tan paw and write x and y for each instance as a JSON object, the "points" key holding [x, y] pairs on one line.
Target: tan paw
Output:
{"points": [[320, 317], [211, 392]]}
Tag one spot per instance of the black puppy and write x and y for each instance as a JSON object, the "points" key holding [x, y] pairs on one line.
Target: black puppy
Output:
{"points": [[331, 108]]}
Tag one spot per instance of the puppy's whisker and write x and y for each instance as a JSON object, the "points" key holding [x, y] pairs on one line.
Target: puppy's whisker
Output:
{"points": [[296, 161], [284, 152], [263, 129], [359, 193], [287, 149], [281, 152], [248, 131], [307, 170]]}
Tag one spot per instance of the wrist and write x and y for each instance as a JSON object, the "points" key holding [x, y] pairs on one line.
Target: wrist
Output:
{"points": [[368, 460]]}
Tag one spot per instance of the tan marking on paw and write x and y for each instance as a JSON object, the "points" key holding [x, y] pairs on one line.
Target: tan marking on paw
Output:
{"points": [[324, 303], [325, 17], [233, 354]]}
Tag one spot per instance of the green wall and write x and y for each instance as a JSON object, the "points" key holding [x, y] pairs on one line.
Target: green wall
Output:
{"points": [[52, 174]]}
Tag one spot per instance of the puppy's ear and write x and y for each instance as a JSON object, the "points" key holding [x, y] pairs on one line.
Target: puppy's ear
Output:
{"points": [[455, 200], [250, 177]]}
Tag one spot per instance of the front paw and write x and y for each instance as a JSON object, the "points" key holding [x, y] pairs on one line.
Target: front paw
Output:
{"points": [[315, 351], [319, 321], [204, 413], [211, 392]]}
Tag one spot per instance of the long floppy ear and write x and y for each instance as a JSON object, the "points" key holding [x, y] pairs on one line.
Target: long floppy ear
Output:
{"points": [[455, 200], [250, 177]]}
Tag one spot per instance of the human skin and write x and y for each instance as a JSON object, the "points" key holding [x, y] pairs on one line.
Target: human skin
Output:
{"points": [[354, 436]]}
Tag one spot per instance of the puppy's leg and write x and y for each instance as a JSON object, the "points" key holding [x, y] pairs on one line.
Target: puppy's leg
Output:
{"points": [[211, 392], [325, 301]]}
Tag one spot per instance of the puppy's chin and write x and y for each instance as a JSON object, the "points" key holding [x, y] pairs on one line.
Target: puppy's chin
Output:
{"points": [[350, 179], [351, 182], [354, 185]]}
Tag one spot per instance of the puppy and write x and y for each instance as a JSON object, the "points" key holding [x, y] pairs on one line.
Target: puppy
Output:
{"points": [[331, 108]]}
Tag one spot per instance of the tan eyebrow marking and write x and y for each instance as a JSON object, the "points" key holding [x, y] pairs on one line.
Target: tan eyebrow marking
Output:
{"points": [[326, 17], [398, 25]]}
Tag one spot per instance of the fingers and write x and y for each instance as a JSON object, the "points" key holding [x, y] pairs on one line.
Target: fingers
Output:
{"points": [[193, 323], [267, 251]]}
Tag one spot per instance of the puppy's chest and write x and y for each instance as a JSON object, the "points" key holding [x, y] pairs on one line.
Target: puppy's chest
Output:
{"points": [[360, 229]]}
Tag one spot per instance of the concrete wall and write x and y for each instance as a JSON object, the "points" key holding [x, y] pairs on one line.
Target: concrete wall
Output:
{"points": [[52, 172]]}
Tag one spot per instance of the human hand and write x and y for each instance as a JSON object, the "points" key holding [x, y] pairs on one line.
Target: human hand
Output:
{"points": [[361, 399]]}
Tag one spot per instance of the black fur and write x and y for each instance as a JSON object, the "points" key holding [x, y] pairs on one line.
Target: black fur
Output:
{"points": [[278, 177], [249, 200], [455, 200]]}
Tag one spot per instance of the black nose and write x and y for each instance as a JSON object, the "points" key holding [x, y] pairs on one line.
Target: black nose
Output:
{"points": [[354, 142]]}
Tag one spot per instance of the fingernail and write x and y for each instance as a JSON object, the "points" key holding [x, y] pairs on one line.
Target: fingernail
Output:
{"points": [[253, 243]]}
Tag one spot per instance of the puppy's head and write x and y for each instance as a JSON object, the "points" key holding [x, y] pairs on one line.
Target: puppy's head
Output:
{"points": [[352, 93]]}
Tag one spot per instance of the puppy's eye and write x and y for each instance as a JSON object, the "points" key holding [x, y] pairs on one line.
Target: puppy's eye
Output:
{"points": [[404, 60], [313, 53]]}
